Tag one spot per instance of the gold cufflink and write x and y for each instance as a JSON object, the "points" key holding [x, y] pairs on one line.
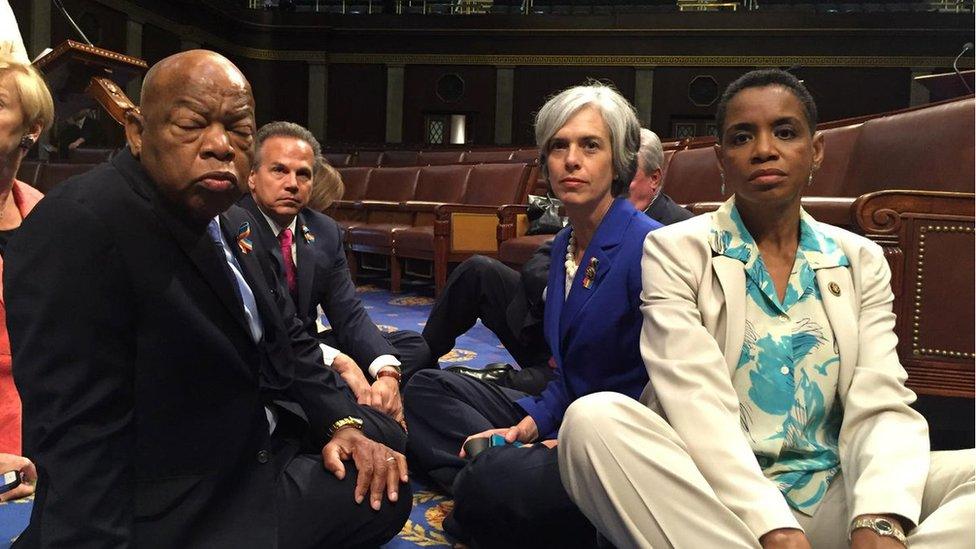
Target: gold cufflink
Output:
{"points": [[834, 288]]}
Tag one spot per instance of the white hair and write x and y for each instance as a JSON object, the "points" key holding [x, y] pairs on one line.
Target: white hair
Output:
{"points": [[617, 113], [651, 152]]}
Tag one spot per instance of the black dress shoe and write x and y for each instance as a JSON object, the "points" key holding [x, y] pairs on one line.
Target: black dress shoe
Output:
{"points": [[494, 372]]}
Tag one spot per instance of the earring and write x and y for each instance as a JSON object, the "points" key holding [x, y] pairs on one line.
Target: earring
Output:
{"points": [[26, 142], [810, 179], [722, 175]]}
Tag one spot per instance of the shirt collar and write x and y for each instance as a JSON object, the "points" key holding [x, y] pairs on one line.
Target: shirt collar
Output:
{"points": [[729, 237], [276, 228]]}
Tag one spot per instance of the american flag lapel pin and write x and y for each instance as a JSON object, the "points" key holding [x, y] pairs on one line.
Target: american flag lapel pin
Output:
{"points": [[309, 237], [243, 238], [590, 275]]}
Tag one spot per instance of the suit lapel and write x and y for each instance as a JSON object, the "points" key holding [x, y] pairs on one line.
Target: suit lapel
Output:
{"points": [[841, 314], [305, 264], [732, 277], [207, 257], [602, 249]]}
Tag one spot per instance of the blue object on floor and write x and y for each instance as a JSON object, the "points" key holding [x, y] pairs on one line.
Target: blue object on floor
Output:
{"points": [[407, 311]]}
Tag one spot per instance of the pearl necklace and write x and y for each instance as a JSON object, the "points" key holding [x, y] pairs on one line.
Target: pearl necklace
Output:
{"points": [[571, 265]]}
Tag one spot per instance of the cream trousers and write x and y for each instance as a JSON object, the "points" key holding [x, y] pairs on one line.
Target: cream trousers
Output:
{"points": [[630, 473]]}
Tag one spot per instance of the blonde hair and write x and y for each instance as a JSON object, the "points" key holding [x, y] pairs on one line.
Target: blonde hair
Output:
{"points": [[35, 98], [327, 186]]}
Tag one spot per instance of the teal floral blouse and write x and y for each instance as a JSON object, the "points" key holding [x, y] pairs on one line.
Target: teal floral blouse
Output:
{"points": [[786, 378]]}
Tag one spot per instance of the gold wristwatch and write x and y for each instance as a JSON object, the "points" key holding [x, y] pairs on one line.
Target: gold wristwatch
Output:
{"points": [[348, 421], [882, 527]]}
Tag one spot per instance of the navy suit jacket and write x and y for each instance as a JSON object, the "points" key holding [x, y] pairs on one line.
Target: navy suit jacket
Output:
{"points": [[594, 335], [324, 279]]}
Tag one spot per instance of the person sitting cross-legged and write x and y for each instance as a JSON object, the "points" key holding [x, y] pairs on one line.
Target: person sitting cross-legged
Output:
{"points": [[307, 246], [508, 496]]}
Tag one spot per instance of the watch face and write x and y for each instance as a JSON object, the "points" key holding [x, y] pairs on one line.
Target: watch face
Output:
{"points": [[883, 526]]}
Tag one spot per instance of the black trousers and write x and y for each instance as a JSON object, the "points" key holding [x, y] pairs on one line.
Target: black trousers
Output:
{"points": [[315, 509], [504, 497], [481, 287], [410, 346]]}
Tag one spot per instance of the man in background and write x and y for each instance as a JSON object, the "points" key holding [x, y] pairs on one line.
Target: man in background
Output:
{"points": [[307, 246]]}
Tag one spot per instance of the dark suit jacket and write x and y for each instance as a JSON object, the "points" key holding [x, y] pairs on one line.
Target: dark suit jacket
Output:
{"points": [[666, 211], [594, 334], [144, 394], [324, 278]]}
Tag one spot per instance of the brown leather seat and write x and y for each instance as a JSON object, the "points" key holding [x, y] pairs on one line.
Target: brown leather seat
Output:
{"points": [[838, 147], [385, 190], [435, 185], [399, 158], [514, 252], [693, 176], [337, 159], [439, 158], [931, 149], [347, 211], [53, 174], [526, 155], [487, 156], [462, 230], [368, 158]]}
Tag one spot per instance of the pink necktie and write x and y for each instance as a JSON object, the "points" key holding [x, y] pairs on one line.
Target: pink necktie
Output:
{"points": [[285, 239]]}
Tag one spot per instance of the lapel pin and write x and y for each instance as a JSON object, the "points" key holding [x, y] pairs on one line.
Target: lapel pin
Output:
{"points": [[590, 273], [243, 238], [309, 237], [834, 288]]}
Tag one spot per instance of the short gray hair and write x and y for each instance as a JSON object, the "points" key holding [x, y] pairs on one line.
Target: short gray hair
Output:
{"points": [[618, 114], [284, 129], [651, 152]]}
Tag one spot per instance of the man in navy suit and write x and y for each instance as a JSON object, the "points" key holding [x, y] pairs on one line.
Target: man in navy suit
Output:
{"points": [[307, 247]]}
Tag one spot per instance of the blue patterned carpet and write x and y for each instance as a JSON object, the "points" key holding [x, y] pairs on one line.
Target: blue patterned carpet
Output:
{"points": [[407, 311]]}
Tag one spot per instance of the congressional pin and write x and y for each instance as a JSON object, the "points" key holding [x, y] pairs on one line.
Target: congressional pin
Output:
{"points": [[309, 237], [243, 238], [590, 274], [834, 288]]}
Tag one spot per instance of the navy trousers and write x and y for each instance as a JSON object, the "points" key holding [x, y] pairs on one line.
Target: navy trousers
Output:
{"points": [[506, 496]]}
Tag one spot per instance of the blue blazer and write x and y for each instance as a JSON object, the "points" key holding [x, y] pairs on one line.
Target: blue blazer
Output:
{"points": [[594, 334]]}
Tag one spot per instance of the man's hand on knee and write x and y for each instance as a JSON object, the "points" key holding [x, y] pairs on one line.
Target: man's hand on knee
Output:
{"points": [[380, 468]]}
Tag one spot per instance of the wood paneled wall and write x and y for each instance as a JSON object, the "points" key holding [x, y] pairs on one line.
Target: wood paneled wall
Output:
{"points": [[534, 85], [420, 98], [356, 103]]}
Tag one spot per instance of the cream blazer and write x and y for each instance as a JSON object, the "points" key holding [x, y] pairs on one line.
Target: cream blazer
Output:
{"points": [[694, 320]]}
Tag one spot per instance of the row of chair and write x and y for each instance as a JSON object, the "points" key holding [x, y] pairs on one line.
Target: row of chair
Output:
{"points": [[387, 158], [45, 175], [437, 214]]}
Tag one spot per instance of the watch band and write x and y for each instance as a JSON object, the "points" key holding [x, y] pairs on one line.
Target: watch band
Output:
{"points": [[348, 421], [387, 372], [882, 527]]}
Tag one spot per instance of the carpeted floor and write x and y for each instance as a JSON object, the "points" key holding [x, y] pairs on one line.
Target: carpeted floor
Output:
{"points": [[406, 311]]}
